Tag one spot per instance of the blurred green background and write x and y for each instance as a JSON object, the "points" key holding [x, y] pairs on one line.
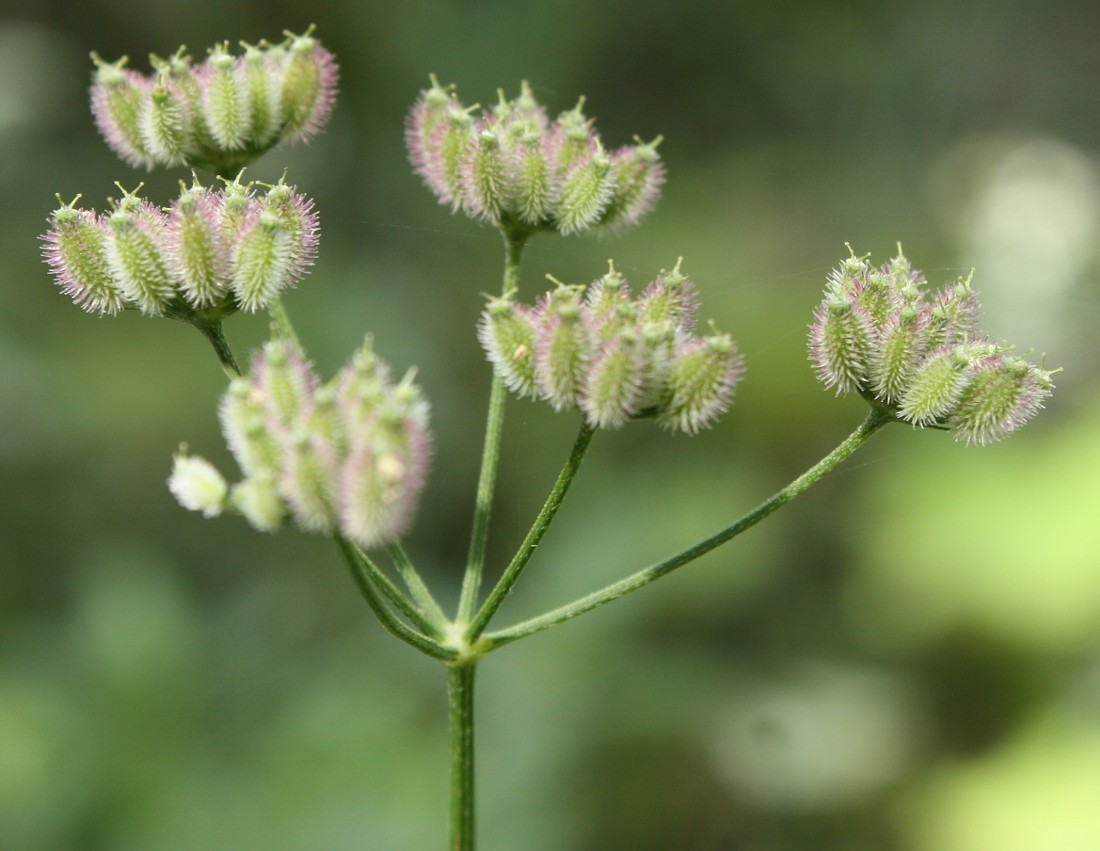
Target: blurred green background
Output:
{"points": [[906, 658]]}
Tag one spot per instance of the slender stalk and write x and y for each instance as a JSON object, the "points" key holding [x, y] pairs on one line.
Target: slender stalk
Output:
{"points": [[373, 574], [460, 711], [420, 593], [281, 320], [490, 456], [534, 535], [876, 419], [365, 579], [214, 333]]}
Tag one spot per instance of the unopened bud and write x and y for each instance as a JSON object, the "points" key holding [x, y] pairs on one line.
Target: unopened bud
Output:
{"points": [[257, 498], [197, 485]]}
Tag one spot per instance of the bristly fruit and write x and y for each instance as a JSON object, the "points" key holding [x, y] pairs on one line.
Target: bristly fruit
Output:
{"points": [[918, 354], [349, 455], [220, 114], [210, 253], [613, 357], [513, 167]]}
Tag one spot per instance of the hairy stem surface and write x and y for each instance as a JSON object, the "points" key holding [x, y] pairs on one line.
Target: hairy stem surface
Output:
{"points": [[490, 458], [460, 711], [534, 535], [368, 579], [876, 419]]}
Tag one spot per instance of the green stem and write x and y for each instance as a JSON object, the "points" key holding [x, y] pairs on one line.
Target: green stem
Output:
{"points": [[214, 333], [534, 535], [490, 457], [876, 419], [366, 576], [460, 711], [281, 320], [372, 573], [420, 593]]}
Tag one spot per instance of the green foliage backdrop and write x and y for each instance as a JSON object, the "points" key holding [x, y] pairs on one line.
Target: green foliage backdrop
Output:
{"points": [[906, 658]]}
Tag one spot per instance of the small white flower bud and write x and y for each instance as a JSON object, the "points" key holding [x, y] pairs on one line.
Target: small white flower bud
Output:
{"points": [[257, 499], [197, 485]]}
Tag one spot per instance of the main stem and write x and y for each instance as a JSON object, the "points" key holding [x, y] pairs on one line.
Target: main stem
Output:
{"points": [[460, 675], [460, 710]]}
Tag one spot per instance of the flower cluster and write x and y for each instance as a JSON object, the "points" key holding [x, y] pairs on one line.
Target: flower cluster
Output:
{"points": [[612, 356], [513, 167], [220, 114], [211, 250], [919, 354], [346, 456]]}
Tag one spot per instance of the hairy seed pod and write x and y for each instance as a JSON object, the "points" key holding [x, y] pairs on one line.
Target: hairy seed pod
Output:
{"points": [[508, 334], [585, 193], [841, 339], [118, 98], [136, 254], [613, 386], [227, 101], [197, 247], [76, 252], [701, 380]]}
